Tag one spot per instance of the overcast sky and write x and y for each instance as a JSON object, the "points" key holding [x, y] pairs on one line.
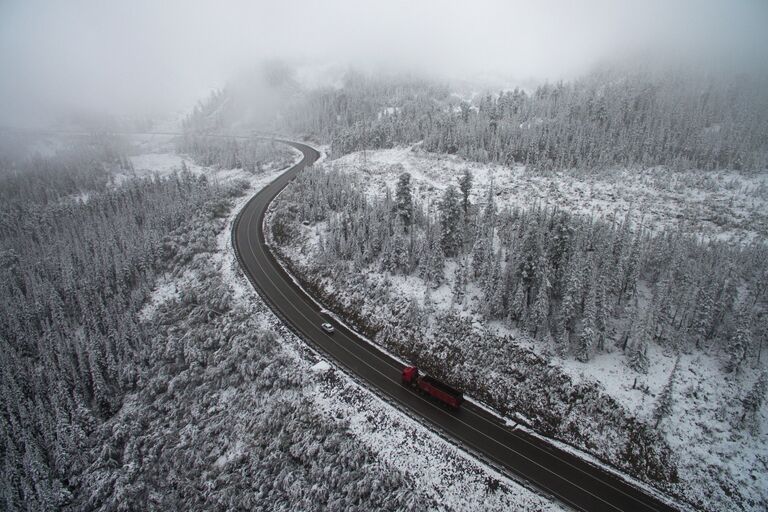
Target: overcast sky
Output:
{"points": [[144, 55]]}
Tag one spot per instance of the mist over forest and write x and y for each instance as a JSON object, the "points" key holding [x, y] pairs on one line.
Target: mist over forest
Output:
{"points": [[140, 58]]}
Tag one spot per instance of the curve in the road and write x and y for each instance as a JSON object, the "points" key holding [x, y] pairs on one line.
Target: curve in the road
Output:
{"points": [[560, 474]]}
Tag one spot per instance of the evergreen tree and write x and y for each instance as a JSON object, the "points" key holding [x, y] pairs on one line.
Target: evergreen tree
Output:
{"points": [[432, 262], [754, 401], [571, 301], [413, 314], [404, 200], [633, 265], [602, 310], [539, 313], [460, 282], [483, 246], [493, 293], [637, 352], [660, 311], [530, 257], [450, 222], [664, 403], [428, 307], [701, 321], [394, 257], [465, 186], [518, 307], [739, 344], [588, 334], [480, 251]]}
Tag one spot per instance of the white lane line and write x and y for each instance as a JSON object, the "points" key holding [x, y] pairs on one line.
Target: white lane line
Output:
{"points": [[427, 402]]}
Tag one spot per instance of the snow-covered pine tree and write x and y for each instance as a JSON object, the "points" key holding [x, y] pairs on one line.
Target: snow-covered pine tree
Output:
{"points": [[571, 301], [633, 264], [602, 309], [465, 186], [537, 318], [432, 261], [739, 343], [725, 300], [404, 200], [762, 332], [530, 253], [460, 281], [428, 307], [492, 286], [539, 312], [754, 401], [518, 307], [637, 351], [621, 252], [480, 251], [412, 311], [661, 313], [588, 333], [664, 403], [701, 319], [450, 222], [483, 246]]}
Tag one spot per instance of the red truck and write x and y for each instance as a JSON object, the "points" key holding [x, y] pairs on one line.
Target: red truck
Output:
{"points": [[432, 387]]}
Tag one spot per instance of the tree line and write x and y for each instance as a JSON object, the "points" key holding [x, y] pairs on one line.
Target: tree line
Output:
{"points": [[682, 119], [251, 155]]}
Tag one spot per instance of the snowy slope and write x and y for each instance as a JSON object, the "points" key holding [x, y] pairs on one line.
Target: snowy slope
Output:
{"points": [[718, 460]]}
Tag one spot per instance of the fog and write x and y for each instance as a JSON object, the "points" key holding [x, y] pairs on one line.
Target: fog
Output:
{"points": [[143, 57]]}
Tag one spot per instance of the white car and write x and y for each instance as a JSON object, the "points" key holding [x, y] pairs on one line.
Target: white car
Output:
{"points": [[327, 327]]}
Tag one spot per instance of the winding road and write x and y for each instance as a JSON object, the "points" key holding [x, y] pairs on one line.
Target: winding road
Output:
{"points": [[527, 459]]}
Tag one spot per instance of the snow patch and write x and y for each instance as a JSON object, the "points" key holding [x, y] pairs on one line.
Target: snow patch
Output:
{"points": [[321, 367]]}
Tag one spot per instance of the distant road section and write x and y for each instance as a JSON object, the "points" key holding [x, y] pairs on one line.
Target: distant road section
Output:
{"points": [[554, 472]]}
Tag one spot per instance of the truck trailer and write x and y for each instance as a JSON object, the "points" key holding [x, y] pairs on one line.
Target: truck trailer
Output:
{"points": [[432, 387]]}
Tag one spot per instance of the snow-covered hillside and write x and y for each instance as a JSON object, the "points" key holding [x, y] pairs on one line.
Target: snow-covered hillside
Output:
{"points": [[719, 204], [720, 462]]}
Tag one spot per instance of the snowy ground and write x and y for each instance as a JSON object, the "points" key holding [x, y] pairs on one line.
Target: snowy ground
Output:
{"points": [[156, 155], [714, 454], [442, 471], [727, 205]]}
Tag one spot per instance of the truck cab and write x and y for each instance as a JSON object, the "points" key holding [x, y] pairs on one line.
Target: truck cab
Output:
{"points": [[410, 374]]}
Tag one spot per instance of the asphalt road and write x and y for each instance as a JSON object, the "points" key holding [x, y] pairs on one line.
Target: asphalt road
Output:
{"points": [[553, 472]]}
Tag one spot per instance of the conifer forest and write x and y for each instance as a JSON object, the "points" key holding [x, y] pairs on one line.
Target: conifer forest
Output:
{"points": [[345, 257]]}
